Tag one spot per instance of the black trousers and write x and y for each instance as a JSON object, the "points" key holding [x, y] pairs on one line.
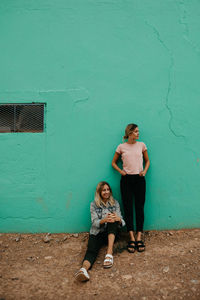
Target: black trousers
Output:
{"points": [[133, 186], [95, 242]]}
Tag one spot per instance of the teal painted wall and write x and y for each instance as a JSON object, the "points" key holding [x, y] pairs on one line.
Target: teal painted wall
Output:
{"points": [[99, 65]]}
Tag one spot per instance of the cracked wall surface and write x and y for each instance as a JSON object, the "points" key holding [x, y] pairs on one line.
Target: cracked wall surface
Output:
{"points": [[99, 65]]}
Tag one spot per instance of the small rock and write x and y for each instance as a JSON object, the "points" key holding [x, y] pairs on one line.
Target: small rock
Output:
{"points": [[98, 262], [132, 264], [30, 258], [46, 239], [190, 251], [126, 277], [48, 257], [14, 278], [65, 238], [57, 240], [166, 269], [194, 281], [17, 239], [74, 235]]}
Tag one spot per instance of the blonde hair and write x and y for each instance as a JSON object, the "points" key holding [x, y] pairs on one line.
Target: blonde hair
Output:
{"points": [[98, 199], [129, 129]]}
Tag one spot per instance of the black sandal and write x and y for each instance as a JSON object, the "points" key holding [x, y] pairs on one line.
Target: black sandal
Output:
{"points": [[132, 245], [140, 246]]}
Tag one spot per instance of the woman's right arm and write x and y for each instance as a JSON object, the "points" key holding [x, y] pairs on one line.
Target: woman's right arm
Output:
{"points": [[115, 166]]}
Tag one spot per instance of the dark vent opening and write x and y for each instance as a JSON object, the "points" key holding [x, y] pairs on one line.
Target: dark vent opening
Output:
{"points": [[22, 117]]}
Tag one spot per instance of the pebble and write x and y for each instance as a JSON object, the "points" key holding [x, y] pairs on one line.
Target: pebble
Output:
{"points": [[65, 238], [30, 258], [166, 269], [74, 235], [194, 281], [17, 239], [127, 277], [48, 257], [46, 239]]}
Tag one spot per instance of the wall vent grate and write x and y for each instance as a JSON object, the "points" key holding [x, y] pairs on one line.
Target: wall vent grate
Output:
{"points": [[26, 117]]}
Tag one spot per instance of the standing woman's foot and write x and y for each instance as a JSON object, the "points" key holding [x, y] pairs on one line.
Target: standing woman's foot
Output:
{"points": [[140, 243], [132, 246], [140, 246]]}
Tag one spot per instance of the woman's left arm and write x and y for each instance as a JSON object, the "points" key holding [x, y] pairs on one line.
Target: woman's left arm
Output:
{"points": [[118, 215], [147, 163]]}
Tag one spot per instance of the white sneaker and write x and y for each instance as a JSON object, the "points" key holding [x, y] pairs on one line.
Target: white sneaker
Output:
{"points": [[82, 275]]}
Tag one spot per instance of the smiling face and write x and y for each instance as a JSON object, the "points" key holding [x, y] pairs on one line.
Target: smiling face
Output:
{"points": [[105, 192]]}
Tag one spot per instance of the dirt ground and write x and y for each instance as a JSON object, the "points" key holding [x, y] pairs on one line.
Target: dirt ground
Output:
{"points": [[40, 266]]}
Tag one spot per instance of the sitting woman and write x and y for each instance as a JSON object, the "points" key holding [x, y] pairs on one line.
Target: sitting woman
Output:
{"points": [[106, 220]]}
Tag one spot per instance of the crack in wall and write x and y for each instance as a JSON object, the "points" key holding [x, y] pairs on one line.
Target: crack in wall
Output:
{"points": [[169, 87], [79, 95], [184, 23]]}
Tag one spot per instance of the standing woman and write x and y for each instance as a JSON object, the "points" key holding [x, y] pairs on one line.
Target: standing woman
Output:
{"points": [[133, 183]]}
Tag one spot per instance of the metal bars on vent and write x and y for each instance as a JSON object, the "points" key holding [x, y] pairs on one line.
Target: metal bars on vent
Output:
{"points": [[27, 117]]}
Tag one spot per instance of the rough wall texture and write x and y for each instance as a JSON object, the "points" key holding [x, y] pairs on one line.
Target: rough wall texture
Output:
{"points": [[99, 65]]}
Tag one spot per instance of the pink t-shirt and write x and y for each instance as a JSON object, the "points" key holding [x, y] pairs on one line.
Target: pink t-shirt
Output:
{"points": [[132, 156]]}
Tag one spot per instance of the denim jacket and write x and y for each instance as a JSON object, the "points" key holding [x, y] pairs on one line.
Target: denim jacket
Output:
{"points": [[99, 213]]}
